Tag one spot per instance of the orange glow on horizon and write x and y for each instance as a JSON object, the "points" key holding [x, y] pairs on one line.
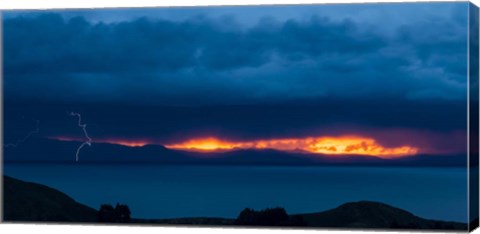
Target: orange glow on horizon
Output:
{"points": [[127, 143], [344, 145]]}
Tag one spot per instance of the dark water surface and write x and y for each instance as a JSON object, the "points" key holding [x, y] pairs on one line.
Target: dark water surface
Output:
{"points": [[168, 191]]}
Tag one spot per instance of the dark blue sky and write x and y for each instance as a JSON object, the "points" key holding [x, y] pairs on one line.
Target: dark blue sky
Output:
{"points": [[369, 67]]}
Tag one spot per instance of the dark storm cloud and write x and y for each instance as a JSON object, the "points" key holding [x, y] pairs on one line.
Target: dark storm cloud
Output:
{"points": [[218, 60], [55, 45], [247, 122], [168, 79]]}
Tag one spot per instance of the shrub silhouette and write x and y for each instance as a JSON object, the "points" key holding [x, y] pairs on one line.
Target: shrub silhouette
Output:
{"points": [[122, 213], [106, 214], [119, 214], [268, 217]]}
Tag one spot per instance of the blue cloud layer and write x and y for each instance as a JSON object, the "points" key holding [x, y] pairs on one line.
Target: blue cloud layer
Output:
{"points": [[203, 59]]}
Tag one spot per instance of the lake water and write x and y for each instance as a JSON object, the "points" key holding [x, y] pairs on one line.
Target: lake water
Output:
{"points": [[166, 191]]}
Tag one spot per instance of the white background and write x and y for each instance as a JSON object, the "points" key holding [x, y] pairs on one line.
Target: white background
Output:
{"points": [[90, 229]]}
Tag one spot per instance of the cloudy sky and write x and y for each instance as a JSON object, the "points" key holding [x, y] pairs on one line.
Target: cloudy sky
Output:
{"points": [[396, 72]]}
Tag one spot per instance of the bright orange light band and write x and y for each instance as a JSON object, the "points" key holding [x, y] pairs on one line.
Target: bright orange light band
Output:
{"points": [[322, 145], [343, 145]]}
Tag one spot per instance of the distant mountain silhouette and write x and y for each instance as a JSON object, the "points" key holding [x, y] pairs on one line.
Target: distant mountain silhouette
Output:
{"points": [[46, 150], [24, 201], [367, 214]]}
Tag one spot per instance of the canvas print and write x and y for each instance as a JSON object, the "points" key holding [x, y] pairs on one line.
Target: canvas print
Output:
{"points": [[351, 116]]}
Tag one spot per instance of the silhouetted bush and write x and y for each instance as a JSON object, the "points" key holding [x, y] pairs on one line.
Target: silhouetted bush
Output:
{"points": [[119, 214], [122, 213], [268, 217]]}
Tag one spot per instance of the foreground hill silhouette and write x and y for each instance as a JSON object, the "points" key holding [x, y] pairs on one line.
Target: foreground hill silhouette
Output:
{"points": [[366, 214], [25, 201]]}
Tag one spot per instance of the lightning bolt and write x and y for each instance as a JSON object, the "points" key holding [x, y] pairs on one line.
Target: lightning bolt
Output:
{"points": [[84, 128], [25, 138]]}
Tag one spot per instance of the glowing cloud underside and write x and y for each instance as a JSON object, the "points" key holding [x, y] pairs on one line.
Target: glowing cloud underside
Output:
{"points": [[321, 145]]}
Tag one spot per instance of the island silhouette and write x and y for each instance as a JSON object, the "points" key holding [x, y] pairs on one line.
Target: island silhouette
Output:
{"points": [[33, 202]]}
